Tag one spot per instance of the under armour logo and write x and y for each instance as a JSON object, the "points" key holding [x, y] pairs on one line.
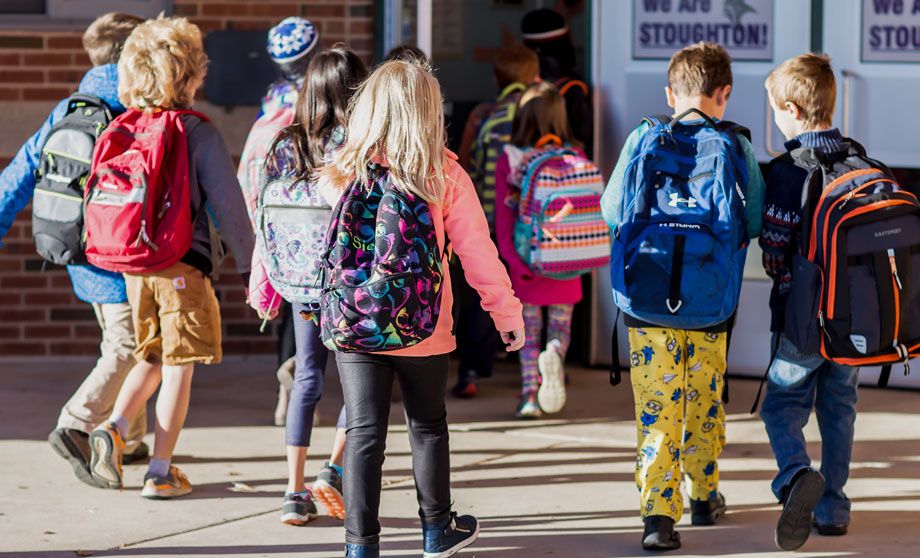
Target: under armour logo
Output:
{"points": [[676, 199]]}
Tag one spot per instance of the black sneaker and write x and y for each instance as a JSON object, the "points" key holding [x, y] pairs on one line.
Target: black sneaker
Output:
{"points": [[140, 453], [831, 529], [794, 525], [298, 509], [362, 551], [707, 512], [328, 491], [449, 536], [73, 445], [659, 533]]}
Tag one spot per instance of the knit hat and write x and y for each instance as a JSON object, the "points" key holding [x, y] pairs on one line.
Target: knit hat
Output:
{"points": [[291, 40], [543, 25]]}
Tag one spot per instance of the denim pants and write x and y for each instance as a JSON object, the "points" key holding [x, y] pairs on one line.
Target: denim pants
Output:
{"points": [[796, 384], [309, 375], [367, 382]]}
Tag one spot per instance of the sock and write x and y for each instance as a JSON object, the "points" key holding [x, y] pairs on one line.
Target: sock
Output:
{"points": [[121, 423], [337, 469], [158, 467], [555, 345], [306, 494]]}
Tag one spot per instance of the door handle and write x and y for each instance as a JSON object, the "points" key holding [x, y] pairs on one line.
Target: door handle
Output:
{"points": [[768, 132]]}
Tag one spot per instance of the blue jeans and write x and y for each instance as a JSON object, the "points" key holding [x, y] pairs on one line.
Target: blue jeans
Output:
{"points": [[309, 375], [796, 384]]}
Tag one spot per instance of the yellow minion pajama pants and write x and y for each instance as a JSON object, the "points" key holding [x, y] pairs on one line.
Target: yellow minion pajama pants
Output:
{"points": [[677, 378]]}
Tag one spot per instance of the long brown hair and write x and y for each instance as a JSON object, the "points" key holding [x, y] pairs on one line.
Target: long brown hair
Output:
{"points": [[331, 80], [541, 111]]}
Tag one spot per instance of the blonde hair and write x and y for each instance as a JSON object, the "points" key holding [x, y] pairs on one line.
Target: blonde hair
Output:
{"points": [[396, 116], [541, 111], [699, 69], [162, 64], [105, 37], [808, 82]]}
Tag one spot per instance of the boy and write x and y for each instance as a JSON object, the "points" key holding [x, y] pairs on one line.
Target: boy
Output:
{"points": [[487, 130], [678, 375], [175, 312], [105, 291], [802, 93]]}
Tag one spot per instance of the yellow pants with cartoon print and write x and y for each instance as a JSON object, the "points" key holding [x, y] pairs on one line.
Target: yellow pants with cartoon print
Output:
{"points": [[677, 379]]}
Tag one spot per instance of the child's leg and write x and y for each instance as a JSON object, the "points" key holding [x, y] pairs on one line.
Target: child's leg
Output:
{"points": [[559, 328], [423, 381], [658, 380], [835, 404], [171, 409], [787, 405], [704, 436], [140, 385], [367, 383], [338, 445], [533, 329]]}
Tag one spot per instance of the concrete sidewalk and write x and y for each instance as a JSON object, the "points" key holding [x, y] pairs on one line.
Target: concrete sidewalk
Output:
{"points": [[561, 487]]}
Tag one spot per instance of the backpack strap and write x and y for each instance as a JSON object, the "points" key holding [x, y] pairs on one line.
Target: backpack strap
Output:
{"points": [[566, 84], [548, 138], [706, 118], [616, 372], [735, 129], [657, 120]]}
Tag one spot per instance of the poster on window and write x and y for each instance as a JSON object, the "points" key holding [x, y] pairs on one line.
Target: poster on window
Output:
{"points": [[662, 27], [891, 31]]}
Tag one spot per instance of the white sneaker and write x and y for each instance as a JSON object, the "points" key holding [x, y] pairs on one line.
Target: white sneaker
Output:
{"points": [[551, 395]]}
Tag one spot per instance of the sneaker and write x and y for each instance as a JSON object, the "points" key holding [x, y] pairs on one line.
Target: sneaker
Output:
{"points": [[528, 408], [551, 394], [173, 485], [73, 445], [659, 534], [298, 509], [794, 525], [362, 551], [328, 491], [466, 387], [140, 453], [450, 536], [707, 512], [831, 529], [107, 448]]}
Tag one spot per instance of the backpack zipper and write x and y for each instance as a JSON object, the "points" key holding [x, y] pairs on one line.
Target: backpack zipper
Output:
{"points": [[896, 285]]}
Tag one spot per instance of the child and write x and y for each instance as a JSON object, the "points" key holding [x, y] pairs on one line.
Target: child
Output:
{"points": [[176, 315], [678, 374], [93, 400], [487, 131], [403, 100], [802, 93], [541, 112], [318, 129], [291, 45]]}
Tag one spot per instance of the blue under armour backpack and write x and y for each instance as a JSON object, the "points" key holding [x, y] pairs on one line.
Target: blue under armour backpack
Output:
{"points": [[679, 249]]}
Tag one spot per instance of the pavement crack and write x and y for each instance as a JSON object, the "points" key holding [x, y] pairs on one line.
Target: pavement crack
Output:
{"points": [[192, 530]]}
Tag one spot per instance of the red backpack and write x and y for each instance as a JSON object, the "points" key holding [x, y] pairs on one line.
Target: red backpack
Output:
{"points": [[138, 211]]}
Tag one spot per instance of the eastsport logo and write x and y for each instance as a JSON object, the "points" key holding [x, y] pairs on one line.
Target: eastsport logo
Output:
{"points": [[889, 232]]}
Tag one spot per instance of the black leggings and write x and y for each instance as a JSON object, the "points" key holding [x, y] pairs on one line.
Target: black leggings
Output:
{"points": [[367, 382]]}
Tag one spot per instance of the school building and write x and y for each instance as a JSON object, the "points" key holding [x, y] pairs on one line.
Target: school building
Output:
{"points": [[622, 45]]}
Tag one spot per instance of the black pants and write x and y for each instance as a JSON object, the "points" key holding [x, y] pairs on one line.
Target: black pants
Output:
{"points": [[477, 339], [286, 346], [367, 383]]}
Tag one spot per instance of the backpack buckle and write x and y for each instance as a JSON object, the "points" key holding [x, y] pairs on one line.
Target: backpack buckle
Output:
{"points": [[675, 308]]}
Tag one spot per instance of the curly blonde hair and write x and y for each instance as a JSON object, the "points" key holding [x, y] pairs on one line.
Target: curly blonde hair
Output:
{"points": [[162, 64]]}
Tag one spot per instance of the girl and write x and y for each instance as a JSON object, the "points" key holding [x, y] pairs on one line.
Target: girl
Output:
{"points": [[540, 120], [397, 124], [299, 149]]}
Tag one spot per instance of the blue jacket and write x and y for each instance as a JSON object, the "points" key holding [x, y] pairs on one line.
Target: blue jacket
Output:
{"points": [[17, 184]]}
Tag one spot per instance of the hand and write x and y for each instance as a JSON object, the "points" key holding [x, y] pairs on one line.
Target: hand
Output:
{"points": [[513, 340]]}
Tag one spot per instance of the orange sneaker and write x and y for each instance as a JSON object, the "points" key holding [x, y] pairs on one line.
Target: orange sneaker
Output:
{"points": [[107, 448], [173, 485]]}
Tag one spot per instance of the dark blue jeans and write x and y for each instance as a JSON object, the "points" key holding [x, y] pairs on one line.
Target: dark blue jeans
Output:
{"points": [[796, 384], [309, 375]]}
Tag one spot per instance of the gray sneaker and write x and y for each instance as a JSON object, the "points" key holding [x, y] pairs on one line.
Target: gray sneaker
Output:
{"points": [[328, 491], [298, 509], [73, 445]]}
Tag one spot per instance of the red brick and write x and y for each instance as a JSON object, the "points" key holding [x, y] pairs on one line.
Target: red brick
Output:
{"points": [[185, 10], [23, 282], [208, 25], [23, 349], [50, 298], [23, 315], [361, 27], [45, 93], [74, 42], [22, 76], [9, 59], [46, 331], [65, 76], [9, 299], [330, 27], [311, 11], [74, 348], [61, 280], [81, 331], [21, 42], [10, 332], [251, 25], [47, 59], [234, 9], [82, 60], [263, 9]]}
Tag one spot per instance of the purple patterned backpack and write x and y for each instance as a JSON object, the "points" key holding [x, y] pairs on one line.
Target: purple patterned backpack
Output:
{"points": [[383, 270]]}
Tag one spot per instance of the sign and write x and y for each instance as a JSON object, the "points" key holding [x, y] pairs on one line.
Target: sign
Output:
{"points": [[743, 27], [891, 31]]}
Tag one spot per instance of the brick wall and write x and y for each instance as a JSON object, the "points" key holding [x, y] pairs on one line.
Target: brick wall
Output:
{"points": [[39, 316]]}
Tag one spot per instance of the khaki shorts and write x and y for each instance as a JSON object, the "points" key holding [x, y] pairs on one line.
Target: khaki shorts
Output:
{"points": [[176, 316]]}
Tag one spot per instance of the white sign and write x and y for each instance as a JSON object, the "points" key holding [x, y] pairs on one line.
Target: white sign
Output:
{"points": [[662, 27], [891, 31]]}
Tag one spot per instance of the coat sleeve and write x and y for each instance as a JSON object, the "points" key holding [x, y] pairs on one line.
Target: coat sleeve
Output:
{"points": [[504, 220]]}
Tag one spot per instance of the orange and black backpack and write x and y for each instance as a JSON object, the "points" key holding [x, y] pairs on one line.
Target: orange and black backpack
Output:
{"points": [[855, 294]]}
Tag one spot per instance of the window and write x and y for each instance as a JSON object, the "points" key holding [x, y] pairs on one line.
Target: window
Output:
{"points": [[20, 7]]}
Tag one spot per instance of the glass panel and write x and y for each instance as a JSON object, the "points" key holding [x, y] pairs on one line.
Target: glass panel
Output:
{"points": [[9, 7]]}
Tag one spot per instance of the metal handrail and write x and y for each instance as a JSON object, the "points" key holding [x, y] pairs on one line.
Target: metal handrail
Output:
{"points": [[768, 132]]}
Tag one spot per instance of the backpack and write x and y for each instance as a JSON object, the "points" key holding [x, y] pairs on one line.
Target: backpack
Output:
{"points": [[63, 168], [138, 205], [255, 152], [679, 249], [559, 230], [494, 134], [855, 295], [383, 271], [292, 219]]}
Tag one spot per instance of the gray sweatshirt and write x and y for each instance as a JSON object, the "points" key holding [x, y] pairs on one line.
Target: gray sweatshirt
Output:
{"points": [[212, 177]]}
